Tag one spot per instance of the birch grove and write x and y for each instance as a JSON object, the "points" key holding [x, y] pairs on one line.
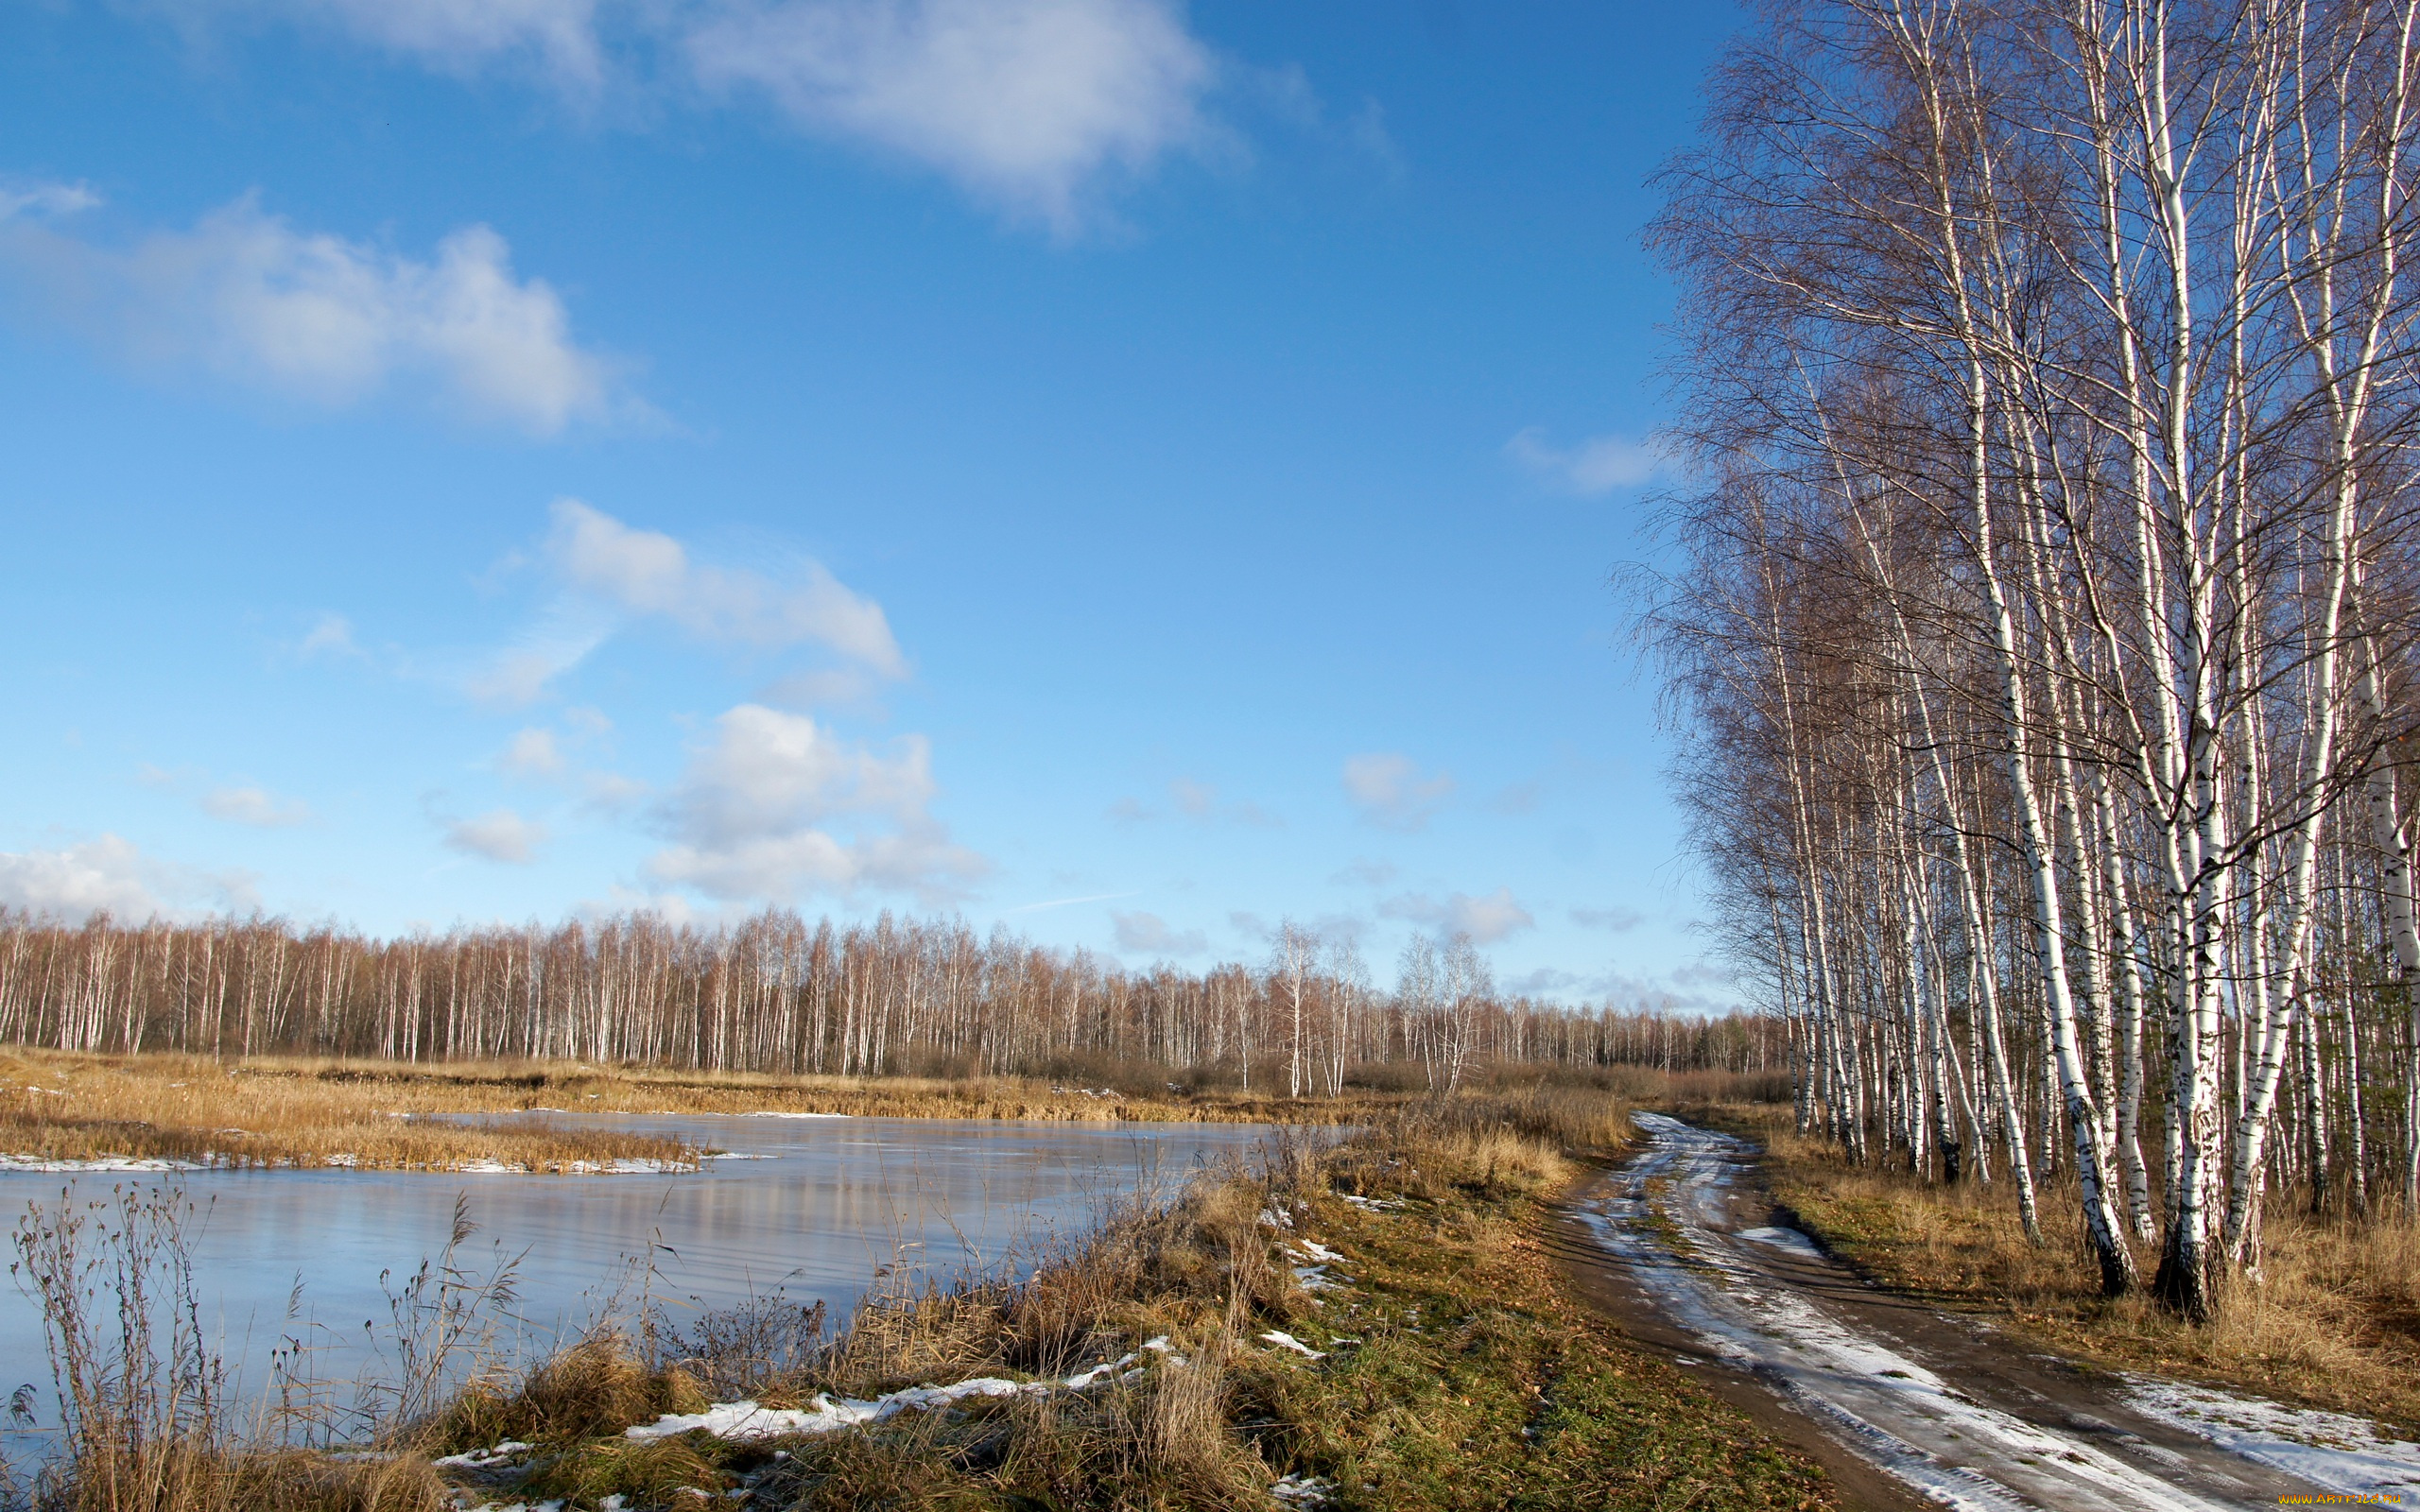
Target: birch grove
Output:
{"points": [[2042, 639], [776, 994]]}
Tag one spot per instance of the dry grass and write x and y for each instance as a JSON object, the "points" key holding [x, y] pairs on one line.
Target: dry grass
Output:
{"points": [[2332, 1321], [57, 1106]]}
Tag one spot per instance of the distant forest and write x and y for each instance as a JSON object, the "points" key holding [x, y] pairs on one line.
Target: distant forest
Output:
{"points": [[777, 993]]}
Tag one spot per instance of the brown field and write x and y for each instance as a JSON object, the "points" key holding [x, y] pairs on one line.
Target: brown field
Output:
{"points": [[1454, 1370], [2332, 1321]]}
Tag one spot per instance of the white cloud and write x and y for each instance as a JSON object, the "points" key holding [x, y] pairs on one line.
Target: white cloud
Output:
{"points": [[752, 815], [111, 874], [330, 636], [46, 200], [1034, 106], [1485, 919], [646, 572], [1199, 800], [1598, 465], [247, 298], [820, 688], [459, 35], [256, 806], [499, 835], [531, 753], [1544, 982], [1149, 935], [1613, 920], [1391, 793], [611, 793], [1024, 103]]}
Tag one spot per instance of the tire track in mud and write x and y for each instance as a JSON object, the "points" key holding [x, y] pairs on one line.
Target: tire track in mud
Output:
{"points": [[1911, 1407]]}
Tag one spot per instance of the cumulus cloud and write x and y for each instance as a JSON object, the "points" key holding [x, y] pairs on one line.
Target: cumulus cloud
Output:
{"points": [[1364, 872], [499, 835], [1199, 801], [646, 572], [1149, 935], [531, 753], [1392, 793], [559, 37], [1684, 990], [256, 806], [247, 298], [1023, 103], [1032, 106], [755, 815], [610, 573], [46, 199], [1613, 920], [1486, 919], [110, 874], [331, 635], [1547, 981], [1598, 465]]}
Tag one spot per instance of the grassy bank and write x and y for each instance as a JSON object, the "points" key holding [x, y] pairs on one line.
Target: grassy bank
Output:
{"points": [[61, 1107], [2333, 1320], [58, 1108], [1367, 1325]]}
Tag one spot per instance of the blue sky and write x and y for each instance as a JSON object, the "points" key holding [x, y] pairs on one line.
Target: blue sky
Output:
{"points": [[1132, 470]]}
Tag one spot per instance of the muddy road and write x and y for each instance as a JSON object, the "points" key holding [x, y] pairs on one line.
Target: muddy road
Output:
{"points": [[1911, 1407]]}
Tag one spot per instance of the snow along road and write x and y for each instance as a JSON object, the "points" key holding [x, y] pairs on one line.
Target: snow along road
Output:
{"points": [[1947, 1410]]}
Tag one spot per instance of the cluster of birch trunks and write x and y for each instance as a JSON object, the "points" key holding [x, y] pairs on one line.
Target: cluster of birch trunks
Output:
{"points": [[780, 993], [2044, 624]]}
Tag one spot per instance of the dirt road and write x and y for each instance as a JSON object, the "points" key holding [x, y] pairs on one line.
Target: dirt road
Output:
{"points": [[1911, 1407]]}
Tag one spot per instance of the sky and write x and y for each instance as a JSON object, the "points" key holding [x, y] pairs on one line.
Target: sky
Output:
{"points": [[1131, 471]]}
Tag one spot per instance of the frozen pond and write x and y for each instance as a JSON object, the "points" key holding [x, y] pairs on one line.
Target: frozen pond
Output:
{"points": [[812, 1206]]}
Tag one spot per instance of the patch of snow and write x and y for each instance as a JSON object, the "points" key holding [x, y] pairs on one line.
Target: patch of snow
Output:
{"points": [[626, 1167], [2346, 1456], [796, 1115], [1313, 1249], [1276, 1218], [749, 1420], [1372, 1203], [1790, 1238], [99, 1163], [1303, 1491], [1316, 1279], [339, 1160], [480, 1459], [1287, 1341]]}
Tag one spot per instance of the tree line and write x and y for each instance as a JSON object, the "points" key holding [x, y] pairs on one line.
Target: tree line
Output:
{"points": [[777, 993], [2040, 644]]}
